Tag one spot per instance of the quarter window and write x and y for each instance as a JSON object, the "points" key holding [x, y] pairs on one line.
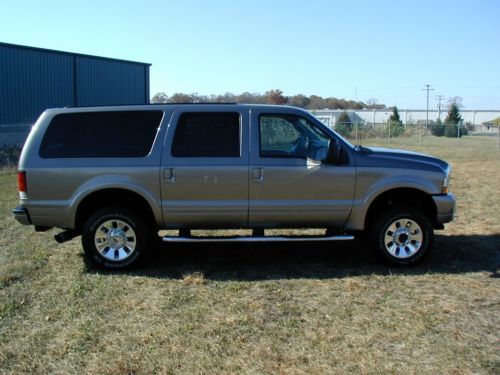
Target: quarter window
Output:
{"points": [[207, 134], [101, 134]]}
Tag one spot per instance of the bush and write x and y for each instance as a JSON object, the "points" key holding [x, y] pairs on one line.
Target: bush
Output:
{"points": [[343, 129], [451, 130], [437, 129], [9, 155], [396, 129]]}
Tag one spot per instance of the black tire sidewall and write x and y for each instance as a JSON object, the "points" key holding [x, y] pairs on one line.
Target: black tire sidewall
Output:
{"points": [[106, 214], [386, 219]]}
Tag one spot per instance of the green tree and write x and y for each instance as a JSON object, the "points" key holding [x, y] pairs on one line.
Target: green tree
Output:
{"points": [[453, 122], [437, 128], [343, 125], [395, 125]]}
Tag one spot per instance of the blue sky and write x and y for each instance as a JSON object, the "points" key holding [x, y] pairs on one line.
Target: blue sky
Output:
{"points": [[349, 49]]}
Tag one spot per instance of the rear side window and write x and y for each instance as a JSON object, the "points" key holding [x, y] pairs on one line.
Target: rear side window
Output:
{"points": [[101, 134], [207, 134]]}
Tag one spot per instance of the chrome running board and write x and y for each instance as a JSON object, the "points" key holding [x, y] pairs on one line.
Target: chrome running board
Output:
{"points": [[257, 239]]}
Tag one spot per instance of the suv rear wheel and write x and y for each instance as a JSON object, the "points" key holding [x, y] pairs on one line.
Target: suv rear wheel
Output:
{"points": [[115, 238], [402, 235]]}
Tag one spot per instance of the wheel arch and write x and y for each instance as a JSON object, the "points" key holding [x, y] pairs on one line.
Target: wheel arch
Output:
{"points": [[113, 197], [404, 197]]}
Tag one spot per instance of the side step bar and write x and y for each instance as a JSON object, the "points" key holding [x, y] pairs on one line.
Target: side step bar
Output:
{"points": [[178, 239]]}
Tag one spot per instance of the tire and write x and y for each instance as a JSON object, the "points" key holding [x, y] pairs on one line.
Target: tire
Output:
{"points": [[115, 238], [402, 236]]}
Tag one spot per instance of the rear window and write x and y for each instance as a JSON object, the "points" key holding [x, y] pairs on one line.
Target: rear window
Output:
{"points": [[207, 134], [101, 134]]}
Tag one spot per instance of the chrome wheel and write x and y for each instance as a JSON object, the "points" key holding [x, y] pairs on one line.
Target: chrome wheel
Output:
{"points": [[115, 240], [403, 238]]}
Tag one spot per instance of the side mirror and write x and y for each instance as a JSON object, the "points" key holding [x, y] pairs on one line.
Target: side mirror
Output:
{"points": [[336, 153]]}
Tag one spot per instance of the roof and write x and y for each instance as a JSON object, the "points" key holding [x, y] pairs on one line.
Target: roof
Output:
{"points": [[2, 44]]}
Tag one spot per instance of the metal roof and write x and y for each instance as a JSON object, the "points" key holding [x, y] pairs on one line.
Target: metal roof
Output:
{"points": [[70, 53]]}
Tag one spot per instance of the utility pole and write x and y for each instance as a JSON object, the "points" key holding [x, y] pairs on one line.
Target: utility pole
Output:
{"points": [[427, 88], [440, 99]]}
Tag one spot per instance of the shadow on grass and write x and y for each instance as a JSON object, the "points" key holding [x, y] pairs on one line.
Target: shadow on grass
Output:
{"points": [[320, 260]]}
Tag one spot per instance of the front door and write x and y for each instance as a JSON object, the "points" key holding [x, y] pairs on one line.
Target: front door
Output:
{"points": [[204, 174], [290, 185]]}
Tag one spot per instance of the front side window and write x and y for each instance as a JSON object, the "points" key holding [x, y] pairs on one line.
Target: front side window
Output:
{"points": [[291, 136], [101, 134], [207, 134]]}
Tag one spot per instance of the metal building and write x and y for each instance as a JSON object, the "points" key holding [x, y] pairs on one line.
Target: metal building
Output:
{"points": [[33, 79]]}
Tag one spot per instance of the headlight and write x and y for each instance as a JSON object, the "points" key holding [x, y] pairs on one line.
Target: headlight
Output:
{"points": [[446, 182]]}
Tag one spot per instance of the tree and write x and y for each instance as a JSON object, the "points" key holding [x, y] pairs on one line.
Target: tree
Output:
{"points": [[316, 102], [270, 97], [457, 100], [343, 125], [453, 122], [181, 98], [275, 97], [437, 128], [299, 100], [372, 104], [159, 97], [395, 125]]}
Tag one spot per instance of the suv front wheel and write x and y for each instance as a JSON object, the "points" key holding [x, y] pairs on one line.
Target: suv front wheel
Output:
{"points": [[115, 238], [402, 235]]}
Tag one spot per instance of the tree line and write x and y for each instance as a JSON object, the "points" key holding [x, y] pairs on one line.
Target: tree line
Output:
{"points": [[269, 97]]}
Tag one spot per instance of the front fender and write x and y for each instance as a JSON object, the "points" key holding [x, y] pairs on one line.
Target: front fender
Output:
{"points": [[371, 184]]}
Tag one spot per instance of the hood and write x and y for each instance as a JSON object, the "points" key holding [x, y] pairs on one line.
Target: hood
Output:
{"points": [[400, 158]]}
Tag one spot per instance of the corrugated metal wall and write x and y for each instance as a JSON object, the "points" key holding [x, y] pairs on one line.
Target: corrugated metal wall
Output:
{"points": [[106, 82], [33, 79]]}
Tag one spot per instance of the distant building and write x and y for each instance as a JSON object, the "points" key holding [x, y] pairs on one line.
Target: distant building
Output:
{"points": [[34, 79]]}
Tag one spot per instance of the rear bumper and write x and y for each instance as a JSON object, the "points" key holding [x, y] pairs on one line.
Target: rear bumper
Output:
{"points": [[21, 215], [446, 206]]}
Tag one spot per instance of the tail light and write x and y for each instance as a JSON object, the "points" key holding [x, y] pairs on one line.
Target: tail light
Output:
{"points": [[21, 184]]}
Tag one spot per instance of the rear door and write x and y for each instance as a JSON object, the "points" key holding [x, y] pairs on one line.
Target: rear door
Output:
{"points": [[204, 171]]}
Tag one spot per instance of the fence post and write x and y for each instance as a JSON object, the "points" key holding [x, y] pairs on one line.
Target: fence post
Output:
{"points": [[421, 130], [458, 134], [498, 137], [390, 131]]}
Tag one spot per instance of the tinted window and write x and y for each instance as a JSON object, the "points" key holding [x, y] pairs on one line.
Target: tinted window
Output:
{"points": [[291, 136], [101, 134], [207, 134]]}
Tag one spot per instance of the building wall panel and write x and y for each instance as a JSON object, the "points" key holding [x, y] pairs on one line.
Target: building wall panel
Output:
{"points": [[31, 81], [108, 82]]}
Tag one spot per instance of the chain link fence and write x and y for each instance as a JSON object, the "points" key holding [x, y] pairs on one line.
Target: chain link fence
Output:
{"points": [[420, 134]]}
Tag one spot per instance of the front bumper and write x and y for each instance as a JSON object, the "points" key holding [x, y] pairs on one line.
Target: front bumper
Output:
{"points": [[21, 215], [446, 206]]}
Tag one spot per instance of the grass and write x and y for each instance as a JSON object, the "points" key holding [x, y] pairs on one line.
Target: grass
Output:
{"points": [[266, 309]]}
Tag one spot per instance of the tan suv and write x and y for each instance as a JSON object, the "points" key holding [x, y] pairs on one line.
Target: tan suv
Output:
{"points": [[117, 175]]}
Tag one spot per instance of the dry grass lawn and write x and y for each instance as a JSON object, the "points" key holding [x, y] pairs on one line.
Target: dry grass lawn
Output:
{"points": [[261, 309]]}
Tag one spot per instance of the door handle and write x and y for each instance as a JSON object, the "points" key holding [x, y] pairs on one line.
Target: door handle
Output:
{"points": [[169, 175], [258, 175]]}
